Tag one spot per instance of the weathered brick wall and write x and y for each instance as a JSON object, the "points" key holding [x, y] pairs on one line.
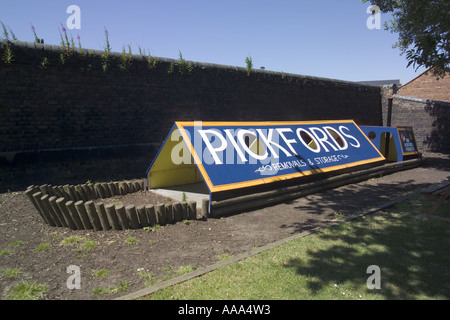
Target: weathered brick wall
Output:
{"points": [[427, 86], [74, 122], [429, 119]]}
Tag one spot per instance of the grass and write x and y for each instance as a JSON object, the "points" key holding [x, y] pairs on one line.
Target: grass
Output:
{"points": [[71, 240], [148, 277], [412, 253], [43, 246], [121, 287], [131, 240], [11, 272], [101, 273], [27, 291]]}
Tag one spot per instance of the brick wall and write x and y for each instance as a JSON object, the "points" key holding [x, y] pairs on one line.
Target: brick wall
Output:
{"points": [[426, 86], [429, 119], [72, 122]]}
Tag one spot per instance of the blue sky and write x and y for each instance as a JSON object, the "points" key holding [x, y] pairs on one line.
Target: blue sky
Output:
{"points": [[323, 38]]}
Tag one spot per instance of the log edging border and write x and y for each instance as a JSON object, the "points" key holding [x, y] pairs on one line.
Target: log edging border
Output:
{"points": [[73, 206]]}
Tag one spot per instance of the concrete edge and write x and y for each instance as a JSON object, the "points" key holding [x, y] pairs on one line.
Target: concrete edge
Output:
{"points": [[239, 257]]}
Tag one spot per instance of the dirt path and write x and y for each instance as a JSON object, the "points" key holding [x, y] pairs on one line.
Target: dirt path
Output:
{"points": [[135, 258]]}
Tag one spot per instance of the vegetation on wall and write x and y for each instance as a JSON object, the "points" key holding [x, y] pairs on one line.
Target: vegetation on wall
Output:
{"points": [[108, 61]]}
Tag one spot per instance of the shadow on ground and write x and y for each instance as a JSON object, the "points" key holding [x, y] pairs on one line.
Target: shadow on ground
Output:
{"points": [[412, 254]]}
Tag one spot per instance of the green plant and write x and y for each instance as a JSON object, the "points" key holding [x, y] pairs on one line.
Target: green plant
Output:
{"points": [[36, 38], [106, 53], [65, 44], [125, 58], [27, 291], [131, 240], [185, 269], [100, 273], [7, 55], [11, 272], [80, 48], [147, 276], [171, 68], [43, 247], [72, 240], [249, 64], [89, 245], [183, 66], [5, 252], [45, 63], [224, 256], [6, 34], [151, 64], [183, 197], [338, 215], [123, 285]]}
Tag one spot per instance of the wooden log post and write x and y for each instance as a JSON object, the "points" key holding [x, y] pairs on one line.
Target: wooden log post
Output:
{"points": [[106, 190], [74, 214], [161, 214], [184, 210], [99, 191], [66, 192], [87, 192], [192, 210], [143, 220], [73, 193], [49, 209], [116, 188], [130, 187], [60, 202], [81, 209], [57, 192], [57, 212], [132, 216], [80, 193], [177, 216], [205, 208], [44, 189], [102, 215], [92, 215], [169, 213], [92, 192], [47, 217], [151, 214], [123, 219], [137, 186], [62, 192], [111, 189], [123, 188], [29, 193], [113, 219]]}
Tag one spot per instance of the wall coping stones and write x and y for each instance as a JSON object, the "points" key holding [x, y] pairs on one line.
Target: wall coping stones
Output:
{"points": [[137, 57]]}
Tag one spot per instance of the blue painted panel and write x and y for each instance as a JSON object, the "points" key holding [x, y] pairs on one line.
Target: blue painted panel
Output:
{"points": [[233, 155]]}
